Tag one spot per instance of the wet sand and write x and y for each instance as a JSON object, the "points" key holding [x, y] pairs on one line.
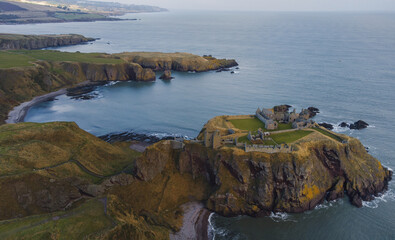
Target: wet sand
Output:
{"points": [[195, 223]]}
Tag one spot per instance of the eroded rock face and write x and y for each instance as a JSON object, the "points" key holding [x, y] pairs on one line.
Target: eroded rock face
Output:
{"points": [[257, 183]]}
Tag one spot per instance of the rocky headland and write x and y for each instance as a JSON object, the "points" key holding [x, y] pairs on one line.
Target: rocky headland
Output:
{"points": [[19, 41]]}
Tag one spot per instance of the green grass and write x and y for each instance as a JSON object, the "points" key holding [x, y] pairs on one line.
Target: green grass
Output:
{"points": [[85, 220], [329, 134], [283, 126], [289, 137], [12, 59], [56, 56], [250, 124], [243, 139], [77, 16]]}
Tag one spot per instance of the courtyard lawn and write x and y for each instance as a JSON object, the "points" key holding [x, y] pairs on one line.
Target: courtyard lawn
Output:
{"points": [[283, 126], [249, 124], [329, 134], [289, 137]]}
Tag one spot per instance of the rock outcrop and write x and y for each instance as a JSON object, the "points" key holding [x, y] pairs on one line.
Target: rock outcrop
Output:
{"points": [[18, 41]]}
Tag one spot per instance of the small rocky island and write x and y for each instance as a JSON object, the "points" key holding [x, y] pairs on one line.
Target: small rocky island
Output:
{"points": [[271, 161]]}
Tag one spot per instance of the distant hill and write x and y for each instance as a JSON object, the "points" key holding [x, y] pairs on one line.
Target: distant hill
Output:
{"points": [[110, 8], [36, 11]]}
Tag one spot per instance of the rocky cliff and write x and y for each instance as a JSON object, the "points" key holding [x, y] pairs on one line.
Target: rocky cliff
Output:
{"points": [[22, 84], [257, 184], [18, 41]]}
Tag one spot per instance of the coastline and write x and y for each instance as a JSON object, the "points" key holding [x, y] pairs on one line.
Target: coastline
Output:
{"points": [[195, 223], [18, 113]]}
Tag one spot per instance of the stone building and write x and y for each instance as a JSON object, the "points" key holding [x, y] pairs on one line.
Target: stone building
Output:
{"points": [[212, 139]]}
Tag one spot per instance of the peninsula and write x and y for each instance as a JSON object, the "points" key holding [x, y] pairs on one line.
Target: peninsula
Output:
{"points": [[55, 176]]}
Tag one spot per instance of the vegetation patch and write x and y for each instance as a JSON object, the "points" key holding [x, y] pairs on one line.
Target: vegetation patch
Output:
{"points": [[289, 137]]}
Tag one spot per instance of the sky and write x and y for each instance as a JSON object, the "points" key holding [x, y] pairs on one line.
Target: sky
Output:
{"points": [[271, 5]]}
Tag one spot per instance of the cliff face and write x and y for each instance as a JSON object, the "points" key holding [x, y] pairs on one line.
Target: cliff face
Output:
{"points": [[258, 183], [22, 84], [17, 41]]}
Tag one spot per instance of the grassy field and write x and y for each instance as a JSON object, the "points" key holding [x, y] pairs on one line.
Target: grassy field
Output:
{"points": [[283, 126], [24, 58], [329, 134], [11, 59], [250, 124], [85, 220], [289, 137], [51, 56]]}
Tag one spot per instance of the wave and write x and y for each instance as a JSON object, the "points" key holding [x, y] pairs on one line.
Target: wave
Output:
{"points": [[383, 197], [281, 217], [111, 83], [329, 204]]}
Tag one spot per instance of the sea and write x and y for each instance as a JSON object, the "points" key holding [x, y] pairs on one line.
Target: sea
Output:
{"points": [[340, 62]]}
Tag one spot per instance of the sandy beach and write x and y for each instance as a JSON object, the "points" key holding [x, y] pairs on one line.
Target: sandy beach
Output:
{"points": [[195, 223]]}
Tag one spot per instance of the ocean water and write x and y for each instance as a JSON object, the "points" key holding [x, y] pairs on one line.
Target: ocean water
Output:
{"points": [[342, 63]]}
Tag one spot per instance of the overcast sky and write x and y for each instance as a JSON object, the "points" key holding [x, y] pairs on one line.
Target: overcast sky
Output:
{"points": [[272, 5]]}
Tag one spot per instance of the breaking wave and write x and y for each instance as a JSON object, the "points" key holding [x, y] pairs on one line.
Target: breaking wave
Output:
{"points": [[383, 197]]}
